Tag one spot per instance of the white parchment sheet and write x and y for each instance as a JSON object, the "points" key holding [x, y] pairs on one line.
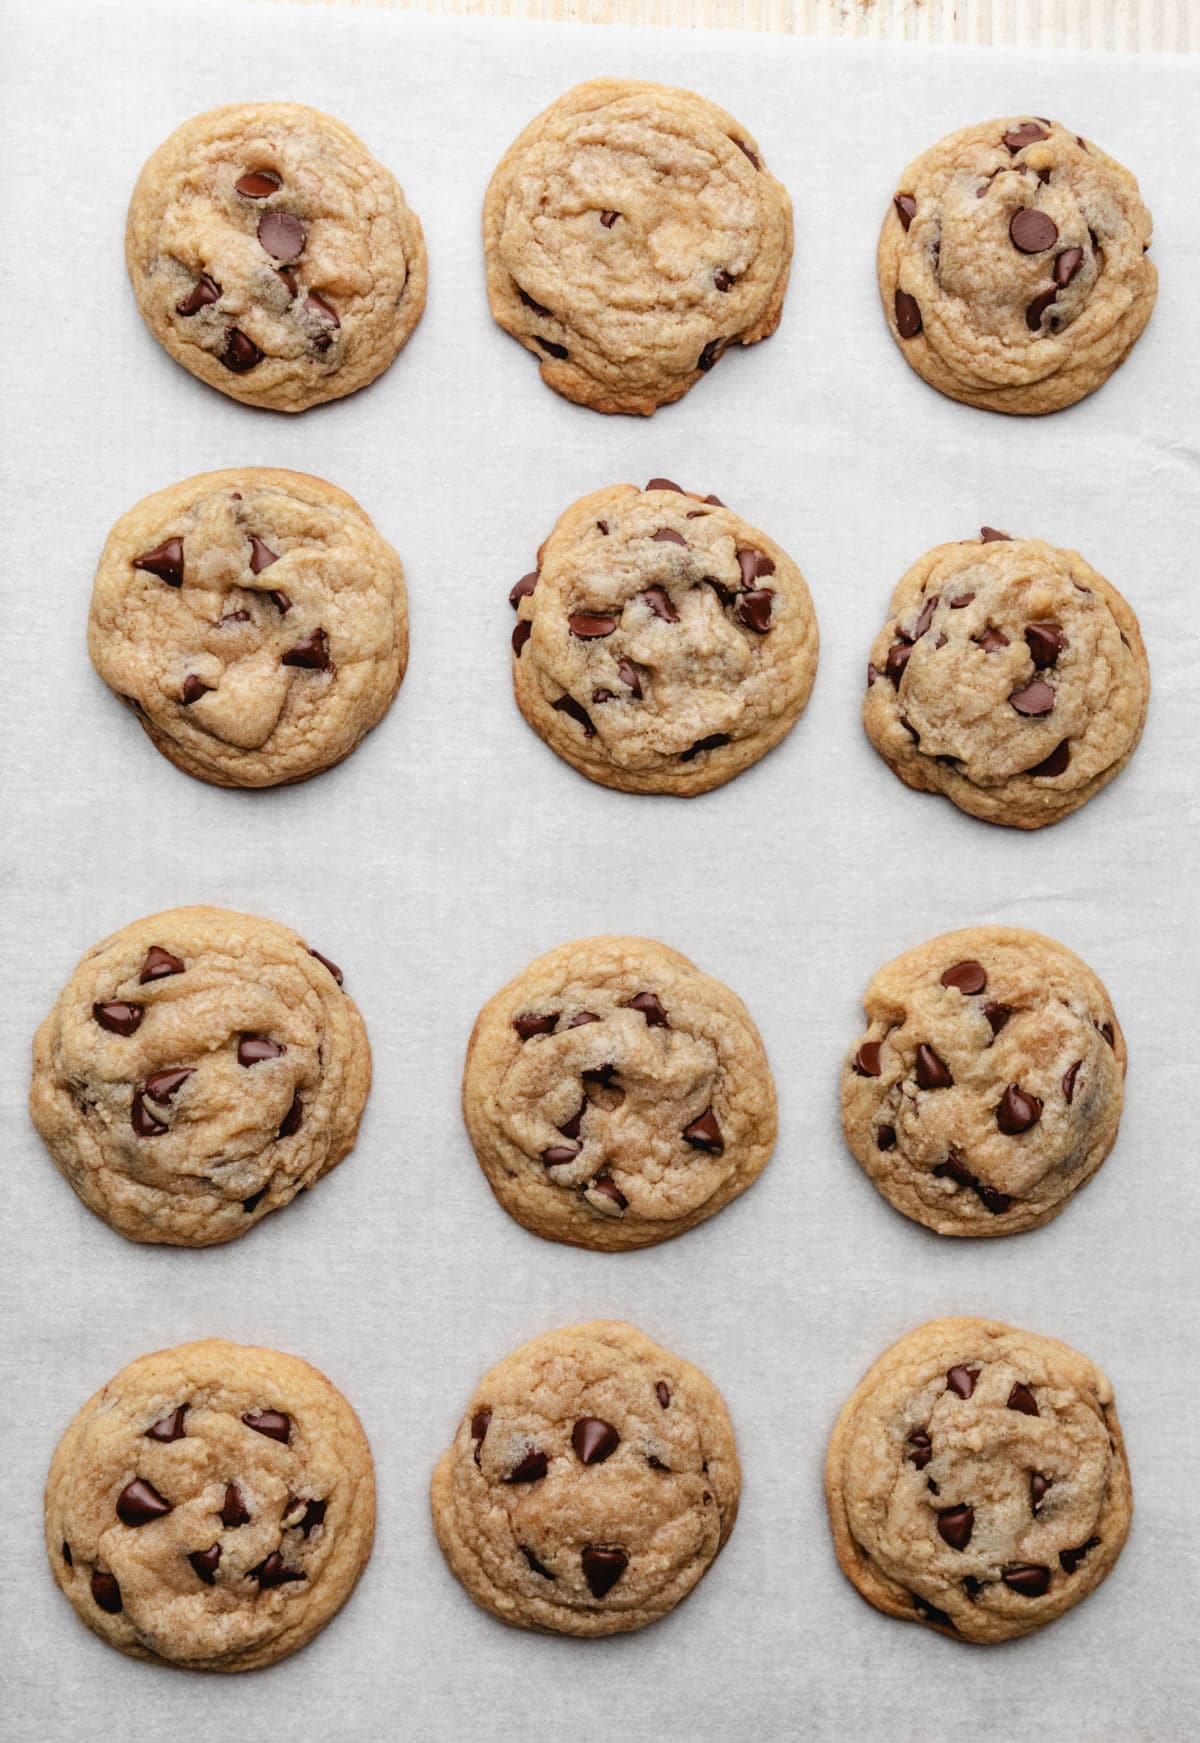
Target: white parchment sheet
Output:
{"points": [[453, 847]]}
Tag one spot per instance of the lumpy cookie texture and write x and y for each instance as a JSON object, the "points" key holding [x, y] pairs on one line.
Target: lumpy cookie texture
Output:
{"points": [[212, 1507], [592, 1481], [255, 622], [977, 1480], [616, 1096], [662, 644], [1009, 676], [632, 233], [199, 1069], [1012, 265], [988, 1084], [272, 256]]}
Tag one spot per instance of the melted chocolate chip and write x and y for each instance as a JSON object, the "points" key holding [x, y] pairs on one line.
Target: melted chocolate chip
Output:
{"points": [[558, 1155], [272, 1572], [705, 1133], [1068, 1082], [280, 601], [543, 1572], [253, 1049], [753, 565], [520, 636], [651, 1008], [1038, 1486], [931, 1613], [163, 1085], [712, 350], [106, 1592], [867, 1061], [143, 1121], [885, 1137], [746, 151], [1027, 134], [898, 656], [714, 741], [1056, 763], [1066, 266], [139, 1502], [922, 1449], [992, 536], [1022, 1399], [165, 561], [324, 312], [311, 652], [602, 1568], [932, 1073], [1034, 700], [1032, 231], [257, 184], [955, 1525], [66, 1554], [906, 208], [261, 555], [662, 1393], [531, 1468], [204, 292], [594, 1440], [607, 1187], [627, 673], [967, 977], [256, 1198], [576, 1022], [529, 1023], [551, 349], [1045, 642], [567, 705], [1069, 1559], [205, 1562], [281, 235], [314, 1515], [169, 1428], [291, 1124], [193, 689], [240, 354], [480, 1423], [608, 219], [908, 315], [754, 609], [538, 308], [1018, 1110], [589, 627], [991, 641], [273, 1423], [234, 1511], [1029, 1580], [1037, 308], [333, 968], [523, 588], [723, 280], [954, 1168], [997, 1015], [118, 1017]]}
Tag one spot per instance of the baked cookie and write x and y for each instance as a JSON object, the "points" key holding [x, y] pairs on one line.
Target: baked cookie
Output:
{"points": [[593, 1480], [1009, 676], [272, 256], [212, 1507], [662, 644], [632, 233], [199, 1069], [1012, 265], [988, 1086], [254, 621], [977, 1480], [616, 1096]]}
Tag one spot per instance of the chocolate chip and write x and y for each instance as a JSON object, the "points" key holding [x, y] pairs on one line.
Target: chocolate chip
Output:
{"points": [[567, 705], [311, 652], [163, 1085], [324, 312], [535, 1564], [1038, 1486], [66, 1554], [1068, 1082], [589, 627], [1018, 1110], [656, 1464], [106, 1592], [898, 656], [651, 1008], [908, 315], [931, 1613], [273, 1423], [628, 676], [291, 1123], [480, 1423], [955, 1525], [962, 600], [118, 1017], [1027, 134], [968, 977], [714, 741], [234, 1511], [169, 1428], [931, 1072], [1037, 308], [1032, 231], [288, 280], [253, 1049], [551, 349], [272, 1572], [257, 184], [922, 1449], [754, 609], [712, 350], [962, 1380], [991, 641], [205, 291], [602, 1568], [662, 1393], [520, 636], [666, 484], [1022, 1399], [705, 1133], [745, 149], [1034, 700], [256, 1198], [241, 353], [261, 555], [594, 1440], [666, 536], [531, 1468], [1069, 1559], [906, 208], [205, 1561], [723, 281], [607, 1187], [280, 601], [538, 308], [997, 1015], [608, 219], [1055, 763], [558, 1155], [523, 588], [1066, 266], [281, 235], [1046, 641], [333, 968], [1106, 1029], [139, 1502], [165, 561], [193, 689], [143, 1121], [1027, 1579], [885, 1137], [867, 1061], [534, 1023], [954, 1168], [314, 1515], [754, 565]]}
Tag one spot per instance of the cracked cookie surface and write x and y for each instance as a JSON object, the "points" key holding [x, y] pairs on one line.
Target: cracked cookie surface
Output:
{"points": [[273, 257], [977, 1480], [1012, 265], [593, 1480], [1009, 676], [615, 1095], [987, 1088], [632, 233], [662, 644], [254, 620], [199, 1068], [212, 1507]]}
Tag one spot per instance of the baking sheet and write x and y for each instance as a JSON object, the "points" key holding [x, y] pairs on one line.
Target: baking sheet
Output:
{"points": [[453, 847]]}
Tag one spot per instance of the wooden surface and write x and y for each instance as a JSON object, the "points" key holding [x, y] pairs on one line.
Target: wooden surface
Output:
{"points": [[1128, 25]]}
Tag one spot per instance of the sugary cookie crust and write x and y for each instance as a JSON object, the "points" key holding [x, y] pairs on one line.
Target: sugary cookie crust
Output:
{"points": [[632, 233], [617, 1096], [593, 1480], [254, 620]]}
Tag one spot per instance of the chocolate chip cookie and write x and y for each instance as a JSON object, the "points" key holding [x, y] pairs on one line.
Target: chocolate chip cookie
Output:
{"points": [[977, 1480], [592, 1482], [1012, 265], [632, 233], [199, 1069], [1009, 676], [272, 256], [212, 1507], [617, 1096], [662, 644], [988, 1086], [254, 621]]}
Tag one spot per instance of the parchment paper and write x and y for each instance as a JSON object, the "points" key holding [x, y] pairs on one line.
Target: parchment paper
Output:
{"points": [[453, 847]]}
